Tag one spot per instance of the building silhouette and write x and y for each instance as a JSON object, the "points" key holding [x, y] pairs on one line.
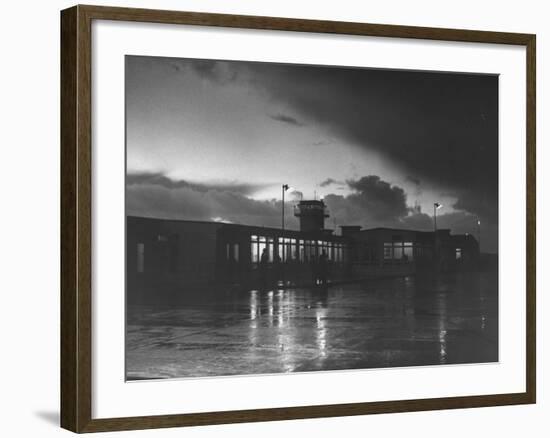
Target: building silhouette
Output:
{"points": [[166, 257]]}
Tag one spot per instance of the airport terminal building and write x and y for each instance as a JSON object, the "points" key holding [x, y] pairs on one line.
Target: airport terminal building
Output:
{"points": [[174, 255]]}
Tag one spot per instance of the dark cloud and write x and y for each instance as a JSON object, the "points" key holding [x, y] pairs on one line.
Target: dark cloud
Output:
{"points": [[376, 203], [159, 179], [416, 182], [480, 204], [219, 72], [283, 118], [440, 127], [329, 181], [384, 201]]}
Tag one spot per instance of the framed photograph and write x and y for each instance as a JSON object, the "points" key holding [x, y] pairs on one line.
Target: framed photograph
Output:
{"points": [[270, 218]]}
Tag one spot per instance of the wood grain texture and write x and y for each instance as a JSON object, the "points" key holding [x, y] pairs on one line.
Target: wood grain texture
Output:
{"points": [[531, 306], [69, 329], [76, 219]]}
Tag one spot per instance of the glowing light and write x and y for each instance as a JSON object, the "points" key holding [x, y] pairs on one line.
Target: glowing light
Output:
{"points": [[253, 305], [321, 332], [443, 346], [220, 219], [270, 307], [442, 305]]}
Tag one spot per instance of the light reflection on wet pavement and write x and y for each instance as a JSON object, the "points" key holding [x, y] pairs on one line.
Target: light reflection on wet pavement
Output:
{"points": [[381, 323]]}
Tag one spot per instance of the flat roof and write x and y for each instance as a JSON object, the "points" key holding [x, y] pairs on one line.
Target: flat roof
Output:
{"points": [[289, 230], [404, 229], [243, 226]]}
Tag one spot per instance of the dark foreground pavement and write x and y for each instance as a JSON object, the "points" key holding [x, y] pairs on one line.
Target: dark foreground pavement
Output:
{"points": [[390, 322]]}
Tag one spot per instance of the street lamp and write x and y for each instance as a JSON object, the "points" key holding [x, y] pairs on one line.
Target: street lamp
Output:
{"points": [[437, 206], [479, 234], [284, 189]]}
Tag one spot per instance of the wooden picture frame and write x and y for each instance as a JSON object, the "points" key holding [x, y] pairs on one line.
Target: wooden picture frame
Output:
{"points": [[76, 218]]}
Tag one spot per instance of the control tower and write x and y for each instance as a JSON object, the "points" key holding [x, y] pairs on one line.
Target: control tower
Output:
{"points": [[312, 215]]}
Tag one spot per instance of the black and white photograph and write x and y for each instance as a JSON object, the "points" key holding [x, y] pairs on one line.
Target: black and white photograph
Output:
{"points": [[275, 218], [289, 218]]}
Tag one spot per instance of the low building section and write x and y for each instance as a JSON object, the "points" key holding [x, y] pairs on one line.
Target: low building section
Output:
{"points": [[170, 256]]}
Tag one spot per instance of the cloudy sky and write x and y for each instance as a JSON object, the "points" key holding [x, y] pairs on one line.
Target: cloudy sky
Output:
{"points": [[214, 140]]}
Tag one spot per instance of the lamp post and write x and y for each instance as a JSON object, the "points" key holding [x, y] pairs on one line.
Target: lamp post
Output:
{"points": [[437, 206], [479, 234], [285, 187]]}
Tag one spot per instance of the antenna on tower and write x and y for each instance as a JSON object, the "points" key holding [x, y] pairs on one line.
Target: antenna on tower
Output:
{"points": [[315, 195]]}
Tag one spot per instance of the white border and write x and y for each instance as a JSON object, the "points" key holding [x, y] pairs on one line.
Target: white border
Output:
{"points": [[112, 397]]}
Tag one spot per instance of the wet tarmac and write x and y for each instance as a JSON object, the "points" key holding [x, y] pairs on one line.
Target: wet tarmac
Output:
{"points": [[392, 322]]}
